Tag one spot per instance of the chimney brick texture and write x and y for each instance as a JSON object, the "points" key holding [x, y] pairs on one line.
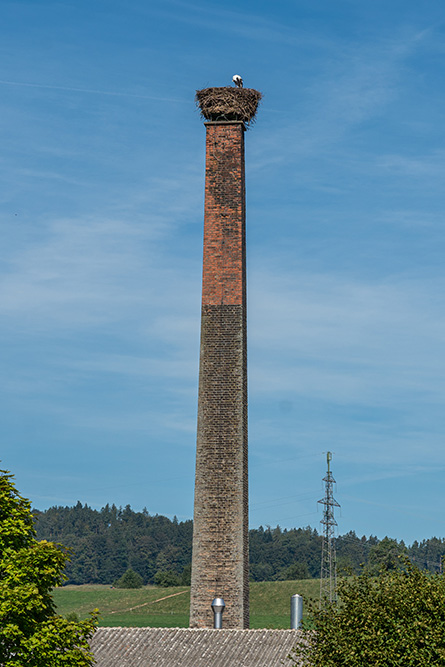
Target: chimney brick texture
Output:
{"points": [[220, 563]]}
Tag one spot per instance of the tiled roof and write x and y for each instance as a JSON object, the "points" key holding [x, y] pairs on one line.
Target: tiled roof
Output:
{"points": [[171, 647]]}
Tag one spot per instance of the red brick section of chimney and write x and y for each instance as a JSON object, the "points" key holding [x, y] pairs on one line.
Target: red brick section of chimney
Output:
{"points": [[220, 564]]}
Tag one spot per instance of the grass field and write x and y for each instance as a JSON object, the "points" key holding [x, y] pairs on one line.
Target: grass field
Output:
{"points": [[151, 606]]}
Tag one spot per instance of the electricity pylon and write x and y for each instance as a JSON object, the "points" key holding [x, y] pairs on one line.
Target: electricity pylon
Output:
{"points": [[328, 574]]}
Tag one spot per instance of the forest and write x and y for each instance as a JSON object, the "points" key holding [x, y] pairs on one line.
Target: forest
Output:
{"points": [[104, 544]]}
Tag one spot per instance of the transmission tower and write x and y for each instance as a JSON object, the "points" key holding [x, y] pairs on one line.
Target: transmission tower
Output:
{"points": [[328, 574]]}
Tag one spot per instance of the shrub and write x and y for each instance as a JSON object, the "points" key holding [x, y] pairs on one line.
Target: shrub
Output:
{"points": [[72, 617], [386, 555], [395, 619], [186, 576], [295, 572], [130, 579], [166, 579]]}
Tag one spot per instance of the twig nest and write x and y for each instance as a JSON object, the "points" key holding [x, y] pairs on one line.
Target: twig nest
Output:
{"points": [[228, 104]]}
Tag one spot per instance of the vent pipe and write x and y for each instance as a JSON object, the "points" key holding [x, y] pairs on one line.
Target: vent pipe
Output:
{"points": [[296, 611], [218, 605]]}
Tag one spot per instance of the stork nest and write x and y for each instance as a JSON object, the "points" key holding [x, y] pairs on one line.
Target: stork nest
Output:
{"points": [[228, 104]]}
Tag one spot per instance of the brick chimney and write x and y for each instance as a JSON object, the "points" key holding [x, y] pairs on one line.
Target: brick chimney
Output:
{"points": [[220, 563]]}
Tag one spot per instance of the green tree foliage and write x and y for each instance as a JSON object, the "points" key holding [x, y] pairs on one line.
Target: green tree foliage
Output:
{"points": [[428, 554], [396, 619], [72, 616], [353, 552], [297, 571], [106, 543], [31, 634], [167, 578], [186, 576], [130, 579], [386, 555], [273, 551]]}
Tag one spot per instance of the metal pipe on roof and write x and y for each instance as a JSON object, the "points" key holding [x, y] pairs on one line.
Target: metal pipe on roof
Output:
{"points": [[296, 611], [218, 606]]}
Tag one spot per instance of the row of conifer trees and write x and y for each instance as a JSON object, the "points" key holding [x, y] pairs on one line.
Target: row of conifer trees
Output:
{"points": [[105, 543]]}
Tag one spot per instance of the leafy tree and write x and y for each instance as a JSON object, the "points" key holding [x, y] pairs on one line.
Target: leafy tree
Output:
{"points": [[166, 579], [395, 619], [261, 572], [72, 616], [297, 571], [352, 552], [186, 576], [31, 634], [273, 550], [130, 579], [386, 555], [429, 554]]}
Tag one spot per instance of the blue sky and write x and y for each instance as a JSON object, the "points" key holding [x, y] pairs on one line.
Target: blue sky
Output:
{"points": [[101, 212]]}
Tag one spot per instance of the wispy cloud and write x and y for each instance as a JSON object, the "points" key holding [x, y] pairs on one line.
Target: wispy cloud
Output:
{"points": [[348, 341], [249, 25], [90, 91], [84, 272], [353, 87], [429, 168]]}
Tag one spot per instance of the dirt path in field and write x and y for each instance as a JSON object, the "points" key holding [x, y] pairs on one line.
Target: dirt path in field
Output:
{"points": [[121, 611]]}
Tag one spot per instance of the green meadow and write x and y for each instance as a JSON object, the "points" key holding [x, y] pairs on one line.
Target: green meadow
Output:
{"points": [[152, 606]]}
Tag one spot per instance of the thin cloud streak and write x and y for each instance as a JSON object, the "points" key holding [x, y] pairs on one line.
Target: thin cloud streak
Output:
{"points": [[72, 89], [248, 25], [348, 334], [350, 90]]}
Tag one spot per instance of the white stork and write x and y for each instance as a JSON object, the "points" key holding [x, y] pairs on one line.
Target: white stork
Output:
{"points": [[237, 80]]}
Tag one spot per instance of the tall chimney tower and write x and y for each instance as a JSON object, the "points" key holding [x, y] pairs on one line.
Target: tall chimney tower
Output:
{"points": [[220, 563]]}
